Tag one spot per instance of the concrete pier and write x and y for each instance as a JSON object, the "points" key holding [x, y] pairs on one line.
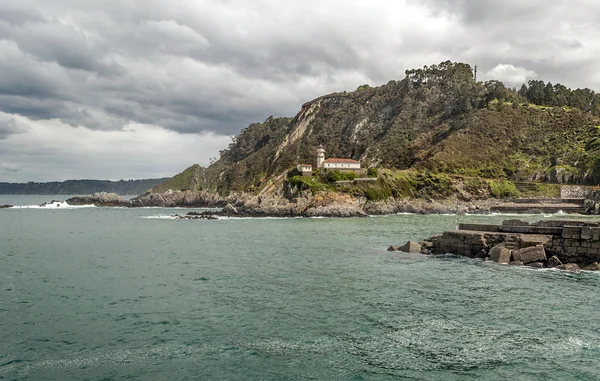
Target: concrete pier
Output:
{"points": [[517, 242]]}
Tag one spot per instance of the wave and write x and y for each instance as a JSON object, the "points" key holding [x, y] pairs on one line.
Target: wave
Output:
{"points": [[221, 218], [53, 205]]}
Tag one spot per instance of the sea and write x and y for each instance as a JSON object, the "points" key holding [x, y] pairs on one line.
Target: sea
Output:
{"points": [[90, 293]]}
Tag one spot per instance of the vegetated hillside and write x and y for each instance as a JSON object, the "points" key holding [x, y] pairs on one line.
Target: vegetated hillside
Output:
{"points": [[436, 119], [70, 187]]}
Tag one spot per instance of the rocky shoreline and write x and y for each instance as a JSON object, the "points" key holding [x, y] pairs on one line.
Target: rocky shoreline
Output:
{"points": [[330, 204]]}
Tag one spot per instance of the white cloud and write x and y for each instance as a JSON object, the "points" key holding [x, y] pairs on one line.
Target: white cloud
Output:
{"points": [[51, 150], [511, 75]]}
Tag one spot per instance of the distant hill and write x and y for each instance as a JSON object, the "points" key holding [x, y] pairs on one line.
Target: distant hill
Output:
{"points": [[81, 187], [437, 119]]}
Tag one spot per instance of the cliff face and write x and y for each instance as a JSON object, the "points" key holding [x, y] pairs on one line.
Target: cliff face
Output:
{"points": [[436, 119]]}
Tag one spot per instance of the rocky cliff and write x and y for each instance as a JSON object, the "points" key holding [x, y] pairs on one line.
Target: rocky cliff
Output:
{"points": [[437, 119]]}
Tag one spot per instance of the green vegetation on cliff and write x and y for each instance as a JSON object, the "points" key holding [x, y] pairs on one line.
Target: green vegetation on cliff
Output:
{"points": [[439, 123]]}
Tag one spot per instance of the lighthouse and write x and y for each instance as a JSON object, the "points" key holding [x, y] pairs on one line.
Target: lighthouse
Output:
{"points": [[320, 156]]}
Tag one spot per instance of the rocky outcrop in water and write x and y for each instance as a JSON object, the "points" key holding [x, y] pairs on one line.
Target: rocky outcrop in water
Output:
{"points": [[99, 199], [5, 206]]}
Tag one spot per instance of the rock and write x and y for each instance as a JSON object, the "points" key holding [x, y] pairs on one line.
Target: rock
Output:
{"points": [[229, 210], [515, 263], [99, 199], [553, 261], [500, 254], [410, 247], [528, 240], [572, 267], [537, 265], [195, 217], [592, 267], [393, 248], [530, 254], [5, 206]]}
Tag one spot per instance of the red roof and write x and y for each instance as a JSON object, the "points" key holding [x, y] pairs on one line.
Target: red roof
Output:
{"points": [[336, 160]]}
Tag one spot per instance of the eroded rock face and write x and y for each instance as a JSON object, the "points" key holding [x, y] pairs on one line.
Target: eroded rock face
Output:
{"points": [[410, 247], [553, 261], [500, 254], [530, 254], [229, 210]]}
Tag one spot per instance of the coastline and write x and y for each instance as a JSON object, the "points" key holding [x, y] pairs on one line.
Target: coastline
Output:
{"points": [[324, 204]]}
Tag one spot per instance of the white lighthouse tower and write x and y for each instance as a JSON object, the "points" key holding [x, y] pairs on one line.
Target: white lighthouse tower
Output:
{"points": [[320, 156]]}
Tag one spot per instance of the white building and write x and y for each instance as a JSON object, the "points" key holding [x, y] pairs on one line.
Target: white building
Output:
{"points": [[335, 163], [305, 169], [341, 164]]}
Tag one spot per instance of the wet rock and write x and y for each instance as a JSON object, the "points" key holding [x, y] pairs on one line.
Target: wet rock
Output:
{"points": [[483, 253], [530, 254], [572, 267], [537, 265], [516, 263], [553, 261], [592, 267], [5, 206], [393, 248], [410, 247], [500, 254], [195, 217]]}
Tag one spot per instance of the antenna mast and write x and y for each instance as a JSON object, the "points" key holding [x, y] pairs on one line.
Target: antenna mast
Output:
{"points": [[475, 73]]}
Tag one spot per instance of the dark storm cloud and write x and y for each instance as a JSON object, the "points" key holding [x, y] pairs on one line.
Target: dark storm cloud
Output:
{"points": [[193, 66]]}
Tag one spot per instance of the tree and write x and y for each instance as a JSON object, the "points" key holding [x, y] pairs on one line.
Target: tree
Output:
{"points": [[549, 97], [535, 92]]}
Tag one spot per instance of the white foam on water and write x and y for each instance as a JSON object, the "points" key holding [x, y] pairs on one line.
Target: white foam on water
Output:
{"points": [[53, 205], [160, 217]]}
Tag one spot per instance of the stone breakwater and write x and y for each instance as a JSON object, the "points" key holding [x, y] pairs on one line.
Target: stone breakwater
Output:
{"points": [[567, 245]]}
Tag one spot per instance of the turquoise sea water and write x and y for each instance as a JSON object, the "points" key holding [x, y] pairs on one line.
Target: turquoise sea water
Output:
{"points": [[128, 294]]}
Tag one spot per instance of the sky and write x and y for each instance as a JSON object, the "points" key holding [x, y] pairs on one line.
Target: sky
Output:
{"points": [[133, 89]]}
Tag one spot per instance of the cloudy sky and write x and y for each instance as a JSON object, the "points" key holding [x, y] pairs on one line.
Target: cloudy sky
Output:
{"points": [[144, 88]]}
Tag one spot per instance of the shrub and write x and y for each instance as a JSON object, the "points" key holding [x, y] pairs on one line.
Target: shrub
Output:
{"points": [[502, 188]]}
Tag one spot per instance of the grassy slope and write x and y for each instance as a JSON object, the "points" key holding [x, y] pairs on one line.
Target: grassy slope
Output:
{"points": [[403, 127]]}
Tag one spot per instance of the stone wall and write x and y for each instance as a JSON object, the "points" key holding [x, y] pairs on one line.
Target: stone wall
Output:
{"points": [[574, 191], [571, 241]]}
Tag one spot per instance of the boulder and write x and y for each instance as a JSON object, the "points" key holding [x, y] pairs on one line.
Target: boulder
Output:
{"points": [[537, 265], [530, 254], [410, 247], [572, 267], [229, 209], [553, 261], [393, 248], [515, 263], [500, 253], [592, 267]]}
